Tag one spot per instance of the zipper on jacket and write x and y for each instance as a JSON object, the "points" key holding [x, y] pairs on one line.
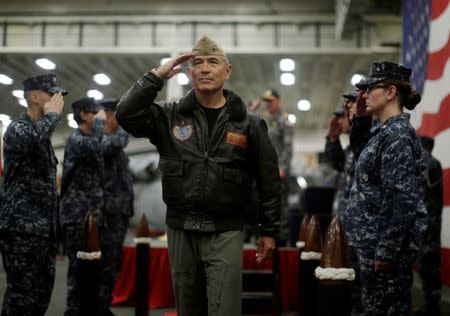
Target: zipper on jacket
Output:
{"points": [[201, 117], [204, 172], [223, 117]]}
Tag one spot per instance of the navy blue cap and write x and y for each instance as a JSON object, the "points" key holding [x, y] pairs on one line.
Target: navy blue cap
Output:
{"points": [[43, 82], [109, 104], [340, 111], [86, 105], [352, 95], [270, 94], [385, 70]]}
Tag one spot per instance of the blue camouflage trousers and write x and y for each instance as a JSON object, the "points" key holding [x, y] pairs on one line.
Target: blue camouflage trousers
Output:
{"points": [[113, 235], [430, 274], [72, 236], [29, 263], [386, 293]]}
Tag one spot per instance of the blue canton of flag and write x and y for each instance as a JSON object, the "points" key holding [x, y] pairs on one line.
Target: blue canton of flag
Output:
{"points": [[416, 16]]}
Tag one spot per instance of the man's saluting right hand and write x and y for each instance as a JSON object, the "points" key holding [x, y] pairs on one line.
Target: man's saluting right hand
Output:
{"points": [[170, 69]]}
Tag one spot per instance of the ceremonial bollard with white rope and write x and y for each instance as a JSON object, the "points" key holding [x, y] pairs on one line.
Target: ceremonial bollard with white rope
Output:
{"points": [[300, 245], [302, 233], [309, 261], [142, 241], [88, 258], [335, 273]]}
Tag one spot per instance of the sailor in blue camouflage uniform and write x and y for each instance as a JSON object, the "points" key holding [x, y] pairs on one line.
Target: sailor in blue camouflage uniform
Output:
{"points": [[82, 187], [429, 259], [118, 202], [342, 160], [29, 208], [386, 201], [281, 134]]}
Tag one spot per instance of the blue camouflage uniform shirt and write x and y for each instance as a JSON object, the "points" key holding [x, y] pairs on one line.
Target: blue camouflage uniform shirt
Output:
{"points": [[29, 204], [386, 201], [82, 187], [343, 161], [118, 178], [433, 198]]}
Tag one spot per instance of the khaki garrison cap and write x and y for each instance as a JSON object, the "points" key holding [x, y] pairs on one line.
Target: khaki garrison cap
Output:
{"points": [[206, 46]]}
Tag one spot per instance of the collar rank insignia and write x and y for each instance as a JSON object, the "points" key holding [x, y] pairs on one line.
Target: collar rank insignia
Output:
{"points": [[182, 133]]}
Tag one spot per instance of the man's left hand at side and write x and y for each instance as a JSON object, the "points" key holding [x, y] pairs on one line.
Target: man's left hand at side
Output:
{"points": [[266, 246]]}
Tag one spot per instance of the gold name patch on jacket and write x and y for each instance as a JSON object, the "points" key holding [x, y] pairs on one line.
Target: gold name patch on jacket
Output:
{"points": [[236, 139]]}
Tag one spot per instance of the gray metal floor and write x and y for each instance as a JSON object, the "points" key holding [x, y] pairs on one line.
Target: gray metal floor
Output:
{"points": [[57, 302]]}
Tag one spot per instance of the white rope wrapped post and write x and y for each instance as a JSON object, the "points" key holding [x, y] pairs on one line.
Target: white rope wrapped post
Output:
{"points": [[89, 256], [338, 274], [309, 260], [142, 281], [335, 273], [300, 246]]}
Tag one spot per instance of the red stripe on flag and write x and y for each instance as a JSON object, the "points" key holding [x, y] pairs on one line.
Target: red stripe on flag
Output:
{"points": [[437, 60], [437, 7], [445, 266], [446, 184], [433, 124]]}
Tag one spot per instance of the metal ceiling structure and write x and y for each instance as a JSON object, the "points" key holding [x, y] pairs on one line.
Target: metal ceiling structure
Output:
{"points": [[124, 41]]}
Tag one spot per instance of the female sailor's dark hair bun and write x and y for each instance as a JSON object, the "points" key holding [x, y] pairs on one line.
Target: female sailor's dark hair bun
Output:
{"points": [[412, 99], [408, 97]]}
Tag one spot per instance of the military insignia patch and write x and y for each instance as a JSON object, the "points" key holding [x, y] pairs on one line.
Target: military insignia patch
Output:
{"points": [[182, 133], [236, 139]]}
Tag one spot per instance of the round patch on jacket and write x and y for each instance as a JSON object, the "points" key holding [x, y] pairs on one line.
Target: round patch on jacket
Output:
{"points": [[182, 133]]}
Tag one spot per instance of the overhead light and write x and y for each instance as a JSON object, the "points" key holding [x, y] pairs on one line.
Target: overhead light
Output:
{"points": [[287, 79], [71, 122], [4, 79], [4, 117], [165, 60], [102, 79], [45, 63], [292, 118], [5, 120], [22, 102], [182, 79], [356, 78], [287, 64], [304, 105], [97, 95], [302, 182], [17, 94]]}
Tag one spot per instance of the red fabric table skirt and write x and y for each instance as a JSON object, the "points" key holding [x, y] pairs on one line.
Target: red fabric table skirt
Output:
{"points": [[161, 292]]}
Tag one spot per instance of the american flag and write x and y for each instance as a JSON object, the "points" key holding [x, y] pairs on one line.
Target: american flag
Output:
{"points": [[426, 49]]}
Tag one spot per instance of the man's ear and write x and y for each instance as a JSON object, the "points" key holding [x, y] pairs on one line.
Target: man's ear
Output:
{"points": [[33, 97], [229, 71], [83, 115]]}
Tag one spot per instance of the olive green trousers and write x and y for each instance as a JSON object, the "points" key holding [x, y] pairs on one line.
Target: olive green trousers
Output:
{"points": [[206, 272]]}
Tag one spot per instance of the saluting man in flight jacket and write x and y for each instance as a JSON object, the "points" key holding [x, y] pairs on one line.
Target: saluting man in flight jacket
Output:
{"points": [[209, 147]]}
